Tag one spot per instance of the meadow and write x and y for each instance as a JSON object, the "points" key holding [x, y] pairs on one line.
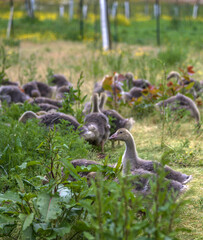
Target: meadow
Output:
{"points": [[28, 150], [37, 199]]}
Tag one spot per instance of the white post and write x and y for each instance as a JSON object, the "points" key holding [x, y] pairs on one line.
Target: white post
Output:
{"points": [[33, 5], [71, 9], [157, 10], [195, 11], [61, 10], [104, 25], [146, 7], [114, 9], [10, 22], [84, 11], [127, 9], [176, 11]]}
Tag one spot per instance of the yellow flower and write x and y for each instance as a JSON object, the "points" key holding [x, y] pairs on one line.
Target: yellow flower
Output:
{"points": [[141, 18], [48, 36], [122, 20], [42, 16], [139, 53], [167, 18]]}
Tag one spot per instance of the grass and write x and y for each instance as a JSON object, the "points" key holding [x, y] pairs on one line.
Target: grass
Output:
{"points": [[70, 58]]}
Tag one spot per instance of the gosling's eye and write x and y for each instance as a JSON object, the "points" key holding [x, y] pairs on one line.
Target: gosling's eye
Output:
{"points": [[121, 132]]}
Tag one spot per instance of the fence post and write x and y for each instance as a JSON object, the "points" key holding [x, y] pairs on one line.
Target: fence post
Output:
{"points": [[114, 9], [146, 8], [157, 15], [10, 21], [61, 10], [105, 29], [127, 9], [195, 9], [84, 11], [81, 19], [71, 9]]}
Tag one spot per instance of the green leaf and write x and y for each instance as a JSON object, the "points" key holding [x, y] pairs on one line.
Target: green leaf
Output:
{"points": [[62, 230], [10, 196], [190, 85], [71, 169], [40, 226], [88, 236], [28, 234], [48, 206], [28, 221], [4, 220], [20, 183]]}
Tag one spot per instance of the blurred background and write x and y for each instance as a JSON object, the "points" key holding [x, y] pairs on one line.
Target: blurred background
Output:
{"points": [[132, 22]]}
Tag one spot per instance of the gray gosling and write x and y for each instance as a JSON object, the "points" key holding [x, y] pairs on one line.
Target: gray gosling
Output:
{"points": [[131, 159], [139, 83], [180, 101], [196, 90], [37, 89], [51, 119], [98, 124], [12, 94], [117, 120], [141, 183]]}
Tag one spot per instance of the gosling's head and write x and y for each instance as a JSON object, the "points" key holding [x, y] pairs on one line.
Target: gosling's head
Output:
{"points": [[129, 76], [35, 93], [173, 74], [121, 134]]}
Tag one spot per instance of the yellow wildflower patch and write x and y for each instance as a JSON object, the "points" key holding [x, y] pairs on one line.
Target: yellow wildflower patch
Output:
{"points": [[165, 17], [142, 18], [91, 17], [46, 16], [16, 15], [48, 36], [140, 52], [122, 20]]}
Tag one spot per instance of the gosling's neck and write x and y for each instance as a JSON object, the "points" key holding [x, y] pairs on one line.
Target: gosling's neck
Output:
{"points": [[130, 156]]}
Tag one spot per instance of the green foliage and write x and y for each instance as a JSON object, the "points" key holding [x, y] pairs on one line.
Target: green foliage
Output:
{"points": [[105, 210], [183, 155], [49, 76], [3, 64], [11, 42], [74, 101], [173, 55], [39, 200], [14, 111], [30, 69]]}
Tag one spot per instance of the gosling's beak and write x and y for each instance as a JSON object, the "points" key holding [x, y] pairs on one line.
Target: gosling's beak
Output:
{"points": [[113, 137]]}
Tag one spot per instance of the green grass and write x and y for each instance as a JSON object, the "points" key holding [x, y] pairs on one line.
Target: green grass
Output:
{"points": [[152, 141], [179, 33]]}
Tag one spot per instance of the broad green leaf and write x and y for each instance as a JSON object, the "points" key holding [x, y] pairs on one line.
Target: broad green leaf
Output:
{"points": [[28, 234], [4, 220], [62, 230], [48, 206], [9, 196], [38, 226], [88, 236], [28, 221]]}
